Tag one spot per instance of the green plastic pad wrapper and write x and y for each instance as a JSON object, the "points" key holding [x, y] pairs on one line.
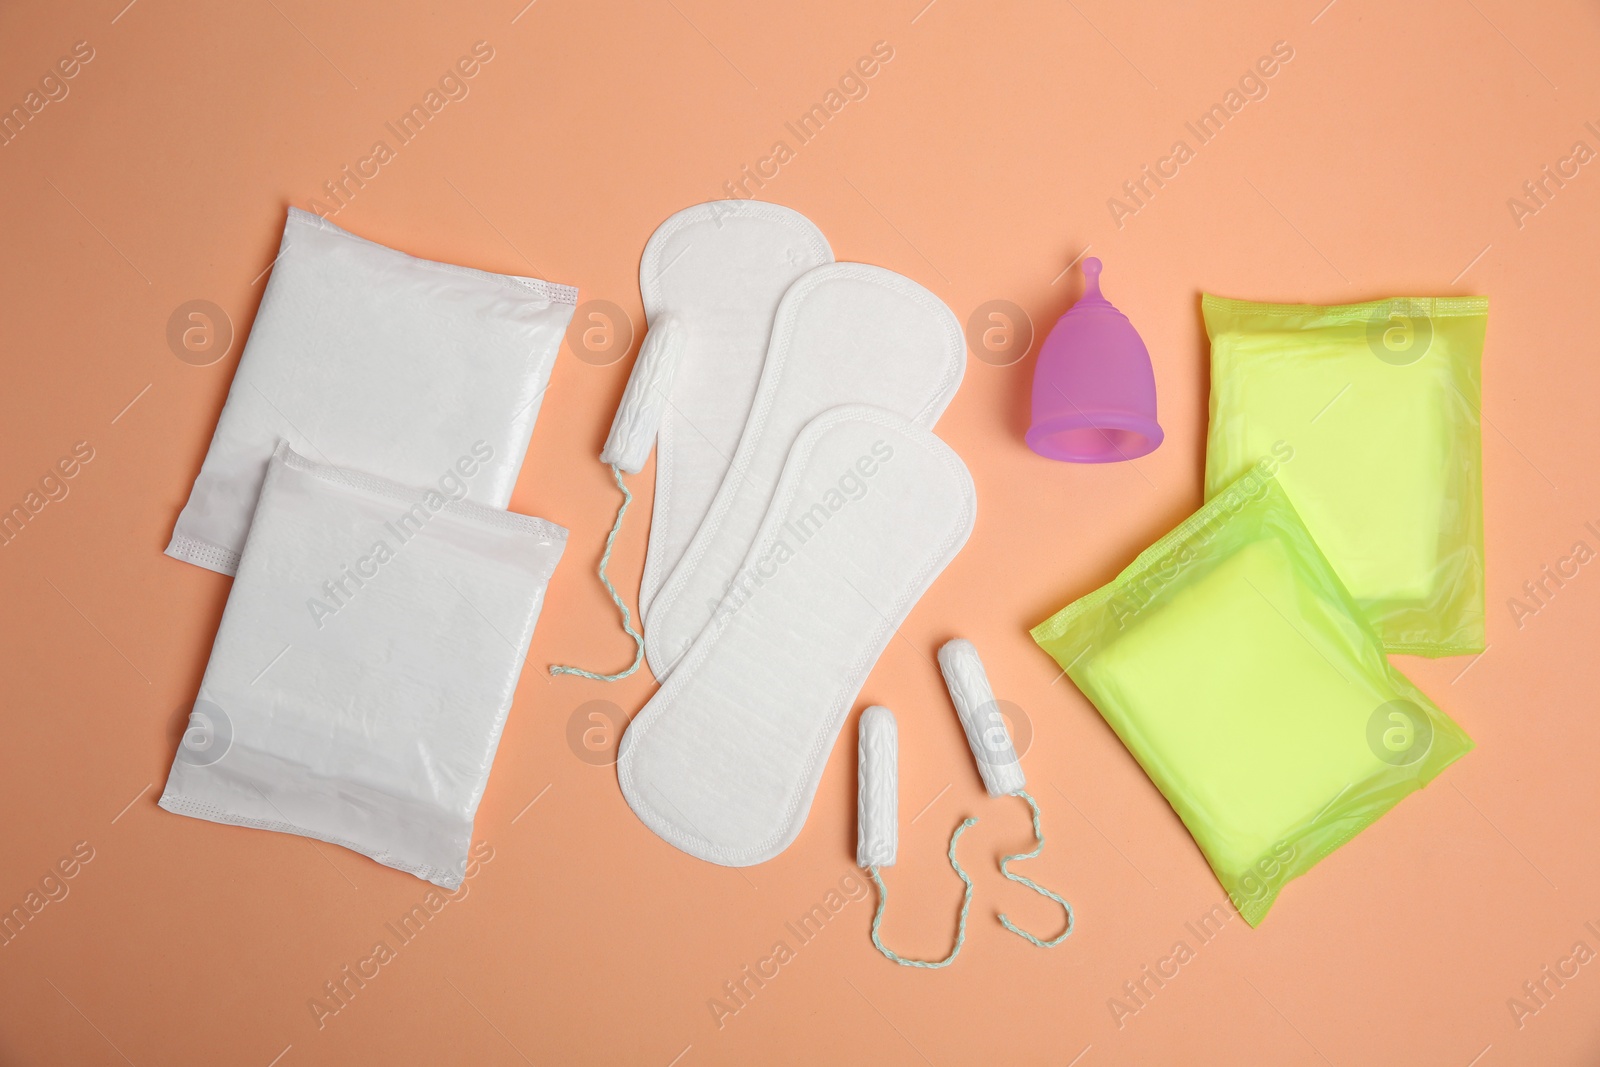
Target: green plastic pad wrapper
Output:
{"points": [[1379, 405], [1238, 671]]}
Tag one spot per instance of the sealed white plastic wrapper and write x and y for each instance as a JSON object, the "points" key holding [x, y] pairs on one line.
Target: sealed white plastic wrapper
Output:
{"points": [[365, 664], [365, 357]]}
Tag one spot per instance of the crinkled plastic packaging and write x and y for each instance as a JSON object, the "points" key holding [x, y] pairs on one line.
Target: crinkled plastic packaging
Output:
{"points": [[368, 358], [365, 664], [1238, 671], [1376, 405]]}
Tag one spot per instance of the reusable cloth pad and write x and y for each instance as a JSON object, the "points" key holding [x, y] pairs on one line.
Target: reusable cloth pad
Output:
{"points": [[1376, 406], [364, 356], [846, 333], [1244, 679], [365, 665], [718, 270], [724, 759]]}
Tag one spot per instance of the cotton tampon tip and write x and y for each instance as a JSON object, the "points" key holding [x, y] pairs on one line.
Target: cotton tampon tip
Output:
{"points": [[878, 800], [980, 718], [644, 399]]}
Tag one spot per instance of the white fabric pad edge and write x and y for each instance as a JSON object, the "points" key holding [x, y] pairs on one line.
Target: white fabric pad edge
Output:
{"points": [[724, 760], [720, 270], [846, 333]]}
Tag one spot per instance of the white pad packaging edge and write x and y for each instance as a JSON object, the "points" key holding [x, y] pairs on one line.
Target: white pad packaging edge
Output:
{"points": [[724, 760], [878, 788], [716, 272], [846, 333], [363, 356], [980, 717], [365, 666]]}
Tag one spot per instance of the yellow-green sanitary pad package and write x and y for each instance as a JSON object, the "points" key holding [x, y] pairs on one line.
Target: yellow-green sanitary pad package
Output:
{"points": [[1238, 671], [1378, 405]]}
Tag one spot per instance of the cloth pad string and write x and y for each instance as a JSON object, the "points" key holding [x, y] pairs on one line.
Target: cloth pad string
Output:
{"points": [[1038, 836], [365, 357], [846, 333], [961, 918], [720, 269], [724, 760], [627, 618]]}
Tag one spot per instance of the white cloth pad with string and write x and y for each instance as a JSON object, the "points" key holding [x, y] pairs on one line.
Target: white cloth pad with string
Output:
{"points": [[717, 271], [366, 357], [365, 665], [846, 333], [725, 758]]}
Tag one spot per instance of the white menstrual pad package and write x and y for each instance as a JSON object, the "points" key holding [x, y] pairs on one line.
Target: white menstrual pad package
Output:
{"points": [[718, 270], [365, 665], [365, 357], [725, 758], [846, 333]]}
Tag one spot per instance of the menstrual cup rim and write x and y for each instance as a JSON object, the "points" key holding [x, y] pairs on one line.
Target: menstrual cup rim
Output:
{"points": [[1040, 436]]}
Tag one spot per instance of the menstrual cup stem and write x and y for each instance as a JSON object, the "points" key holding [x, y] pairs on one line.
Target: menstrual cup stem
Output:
{"points": [[1091, 279]]}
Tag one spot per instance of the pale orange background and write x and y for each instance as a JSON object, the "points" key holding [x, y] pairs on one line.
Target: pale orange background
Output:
{"points": [[980, 164]]}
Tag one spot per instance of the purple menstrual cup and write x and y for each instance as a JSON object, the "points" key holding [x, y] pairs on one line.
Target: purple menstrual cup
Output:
{"points": [[1094, 394]]}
